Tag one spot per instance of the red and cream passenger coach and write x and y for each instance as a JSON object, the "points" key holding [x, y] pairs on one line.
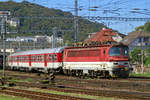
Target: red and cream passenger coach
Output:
{"points": [[43, 59]]}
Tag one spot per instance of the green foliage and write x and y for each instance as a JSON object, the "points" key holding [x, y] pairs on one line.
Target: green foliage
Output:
{"points": [[145, 27], [45, 81], [27, 24], [139, 28], [147, 60], [6, 97], [135, 55], [140, 74]]}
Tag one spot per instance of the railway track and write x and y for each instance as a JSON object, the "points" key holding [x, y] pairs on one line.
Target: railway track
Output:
{"points": [[131, 88], [70, 88], [33, 75], [37, 95]]}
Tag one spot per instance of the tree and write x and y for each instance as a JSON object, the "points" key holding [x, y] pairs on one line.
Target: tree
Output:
{"points": [[147, 60], [135, 56], [145, 27], [26, 8]]}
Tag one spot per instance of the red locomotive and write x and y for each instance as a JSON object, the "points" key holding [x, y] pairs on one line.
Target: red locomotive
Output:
{"points": [[104, 60]]}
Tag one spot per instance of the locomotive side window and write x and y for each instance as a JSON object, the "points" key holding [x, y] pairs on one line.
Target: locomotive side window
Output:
{"points": [[84, 53], [104, 52], [71, 53], [114, 51], [125, 51]]}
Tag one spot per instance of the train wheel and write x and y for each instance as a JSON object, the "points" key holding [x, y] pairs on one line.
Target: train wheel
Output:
{"points": [[125, 75], [52, 76], [65, 72], [81, 74], [107, 75], [92, 75], [70, 72]]}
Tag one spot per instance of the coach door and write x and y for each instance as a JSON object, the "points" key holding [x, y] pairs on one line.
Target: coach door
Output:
{"points": [[29, 60], [53, 60], [45, 60], [17, 61], [104, 54]]}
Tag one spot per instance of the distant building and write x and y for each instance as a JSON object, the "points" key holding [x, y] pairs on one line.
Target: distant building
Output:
{"points": [[14, 22], [8, 50], [58, 39], [40, 39], [137, 39], [105, 35], [91, 34], [21, 39]]}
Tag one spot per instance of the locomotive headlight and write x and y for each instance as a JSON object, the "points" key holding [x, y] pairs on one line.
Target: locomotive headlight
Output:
{"points": [[115, 65], [126, 68]]}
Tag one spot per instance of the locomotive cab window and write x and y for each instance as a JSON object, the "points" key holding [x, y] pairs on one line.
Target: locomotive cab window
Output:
{"points": [[114, 51], [125, 51]]}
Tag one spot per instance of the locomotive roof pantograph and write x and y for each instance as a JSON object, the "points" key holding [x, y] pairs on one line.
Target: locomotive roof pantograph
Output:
{"points": [[40, 51]]}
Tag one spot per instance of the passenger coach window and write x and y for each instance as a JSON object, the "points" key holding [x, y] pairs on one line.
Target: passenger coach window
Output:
{"points": [[39, 58], [32, 58], [36, 58], [55, 57], [50, 57]]}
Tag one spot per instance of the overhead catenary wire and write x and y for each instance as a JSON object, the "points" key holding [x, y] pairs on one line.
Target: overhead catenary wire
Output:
{"points": [[104, 5]]}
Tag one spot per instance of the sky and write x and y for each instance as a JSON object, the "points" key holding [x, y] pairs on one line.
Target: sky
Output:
{"points": [[104, 8]]}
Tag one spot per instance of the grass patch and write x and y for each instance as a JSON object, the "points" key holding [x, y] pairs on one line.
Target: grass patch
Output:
{"points": [[44, 81], [6, 97], [20, 80], [140, 74], [29, 79]]}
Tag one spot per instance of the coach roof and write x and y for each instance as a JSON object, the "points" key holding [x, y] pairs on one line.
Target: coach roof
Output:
{"points": [[39, 51]]}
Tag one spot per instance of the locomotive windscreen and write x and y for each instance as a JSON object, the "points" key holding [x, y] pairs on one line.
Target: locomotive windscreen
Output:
{"points": [[117, 51]]}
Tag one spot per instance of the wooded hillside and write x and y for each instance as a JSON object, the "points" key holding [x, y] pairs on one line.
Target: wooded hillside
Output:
{"points": [[33, 26]]}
